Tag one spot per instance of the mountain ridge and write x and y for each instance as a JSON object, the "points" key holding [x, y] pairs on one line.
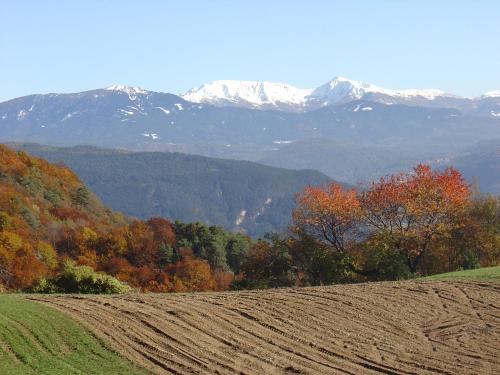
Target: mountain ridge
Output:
{"points": [[289, 98], [136, 119], [128, 117], [286, 97]]}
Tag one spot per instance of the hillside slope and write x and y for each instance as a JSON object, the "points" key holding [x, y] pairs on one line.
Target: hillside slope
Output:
{"points": [[39, 199], [51, 226], [390, 328], [238, 195], [41, 206]]}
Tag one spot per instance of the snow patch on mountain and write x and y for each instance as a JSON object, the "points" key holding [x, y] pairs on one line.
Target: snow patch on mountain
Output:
{"points": [[151, 135], [132, 92], [68, 116], [21, 114], [125, 112], [491, 94], [280, 142], [262, 209], [241, 217], [166, 111]]}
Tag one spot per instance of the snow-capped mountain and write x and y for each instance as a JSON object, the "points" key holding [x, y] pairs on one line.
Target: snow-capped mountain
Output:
{"points": [[132, 92], [250, 94], [280, 96], [491, 94], [132, 117], [341, 89]]}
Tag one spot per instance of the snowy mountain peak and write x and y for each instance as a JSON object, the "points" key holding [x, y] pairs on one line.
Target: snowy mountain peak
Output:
{"points": [[249, 93], [491, 94], [342, 81], [132, 92], [341, 89], [268, 95]]}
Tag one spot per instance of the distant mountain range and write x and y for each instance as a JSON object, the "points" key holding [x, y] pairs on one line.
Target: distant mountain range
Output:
{"points": [[285, 97], [239, 195], [133, 118], [350, 130]]}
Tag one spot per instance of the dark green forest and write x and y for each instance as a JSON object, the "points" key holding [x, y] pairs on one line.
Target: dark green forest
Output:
{"points": [[238, 195]]}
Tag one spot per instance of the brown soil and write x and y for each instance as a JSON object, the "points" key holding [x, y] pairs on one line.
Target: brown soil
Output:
{"points": [[379, 328]]}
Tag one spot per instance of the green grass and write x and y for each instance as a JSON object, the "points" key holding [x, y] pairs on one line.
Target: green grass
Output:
{"points": [[36, 339], [487, 273]]}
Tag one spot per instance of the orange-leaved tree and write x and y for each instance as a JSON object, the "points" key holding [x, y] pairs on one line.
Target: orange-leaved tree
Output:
{"points": [[407, 211], [330, 214], [413, 209], [191, 274]]}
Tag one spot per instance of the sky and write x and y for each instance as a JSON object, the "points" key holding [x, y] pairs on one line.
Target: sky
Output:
{"points": [[171, 46]]}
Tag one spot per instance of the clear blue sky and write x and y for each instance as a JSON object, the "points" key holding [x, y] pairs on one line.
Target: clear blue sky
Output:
{"points": [[69, 46]]}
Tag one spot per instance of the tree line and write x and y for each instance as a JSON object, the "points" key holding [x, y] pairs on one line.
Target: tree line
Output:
{"points": [[404, 225], [55, 236]]}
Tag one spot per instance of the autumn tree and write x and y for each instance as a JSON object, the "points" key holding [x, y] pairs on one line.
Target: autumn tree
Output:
{"points": [[411, 210], [26, 268], [331, 214], [477, 242], [141, 246], [485, 212], [162, 229], [119, 268], [112, 243], [268, 264], [191, 274], [402, 215]]}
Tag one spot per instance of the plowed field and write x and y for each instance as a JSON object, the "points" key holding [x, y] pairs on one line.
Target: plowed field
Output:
{"points": [[426, 327]]}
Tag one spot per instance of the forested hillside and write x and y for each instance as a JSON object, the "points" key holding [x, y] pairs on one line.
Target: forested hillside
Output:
{"points": [[54, 235], [239, 195]]}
